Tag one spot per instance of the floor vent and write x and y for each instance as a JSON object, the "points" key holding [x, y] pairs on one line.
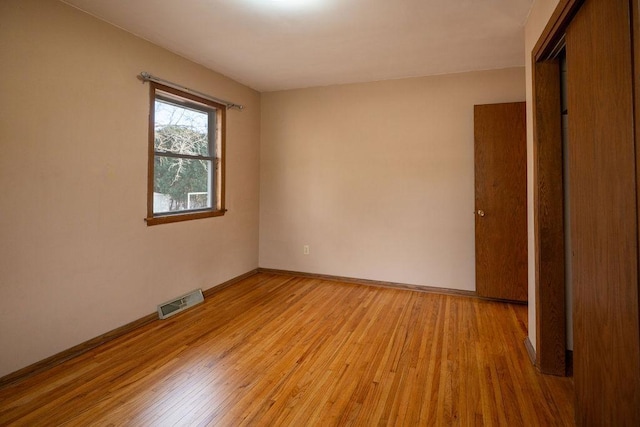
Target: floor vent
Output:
{"points": [[179, 304]]}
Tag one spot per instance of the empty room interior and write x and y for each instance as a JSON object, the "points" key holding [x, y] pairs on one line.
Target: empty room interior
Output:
{"points": [[319, 212]]}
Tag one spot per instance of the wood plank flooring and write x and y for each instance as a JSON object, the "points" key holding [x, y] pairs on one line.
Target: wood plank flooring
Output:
{"points": [[289, 351]]}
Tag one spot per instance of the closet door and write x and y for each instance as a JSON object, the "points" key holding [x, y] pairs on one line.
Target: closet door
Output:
{"points": [[604, 222]]}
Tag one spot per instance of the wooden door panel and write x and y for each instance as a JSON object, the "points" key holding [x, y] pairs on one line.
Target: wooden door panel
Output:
{"points": [[500, 192], [602, 170]]}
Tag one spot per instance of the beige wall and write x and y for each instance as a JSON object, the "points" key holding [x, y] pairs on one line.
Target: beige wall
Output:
{"points": [[376, 178], [77, 259], [538, 17]]}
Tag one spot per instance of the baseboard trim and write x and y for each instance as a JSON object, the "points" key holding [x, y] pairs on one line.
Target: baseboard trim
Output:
{"points": [[86, 346], [74, 351], [530, 350], [222, 286], [383, 284], [392, 285], [368, 282], [532, 356]]}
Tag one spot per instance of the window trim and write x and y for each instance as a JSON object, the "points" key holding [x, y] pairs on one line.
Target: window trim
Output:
{"points": [[218, 166]]}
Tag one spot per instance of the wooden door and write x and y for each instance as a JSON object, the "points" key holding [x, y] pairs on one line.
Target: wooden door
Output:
{"points": [[604, 233], [501, 200]]}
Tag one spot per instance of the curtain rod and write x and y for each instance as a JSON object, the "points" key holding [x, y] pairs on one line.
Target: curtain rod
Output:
{"points": [[146, 77]]}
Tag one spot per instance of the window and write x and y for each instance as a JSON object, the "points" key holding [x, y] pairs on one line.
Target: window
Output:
{"points": [[186, 156]]}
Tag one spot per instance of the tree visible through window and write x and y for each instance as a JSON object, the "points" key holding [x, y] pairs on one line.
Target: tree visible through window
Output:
{"points": [[186, 156]]}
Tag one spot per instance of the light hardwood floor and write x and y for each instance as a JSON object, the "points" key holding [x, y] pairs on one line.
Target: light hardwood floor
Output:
{"points": [[279, 350]]}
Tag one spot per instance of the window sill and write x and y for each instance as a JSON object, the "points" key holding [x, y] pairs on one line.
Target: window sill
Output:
{"points": [[166, 219]]}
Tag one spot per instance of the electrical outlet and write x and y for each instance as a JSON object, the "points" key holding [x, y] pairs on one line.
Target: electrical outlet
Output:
{"points": [[305, 249]]}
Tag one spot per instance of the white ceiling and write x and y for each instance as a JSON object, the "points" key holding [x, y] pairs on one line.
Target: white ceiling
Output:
{"points": [[280, 44]]}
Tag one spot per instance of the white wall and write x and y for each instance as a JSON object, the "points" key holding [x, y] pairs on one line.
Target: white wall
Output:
{"points": [[77, 259], [377, 178], [538, 17]]}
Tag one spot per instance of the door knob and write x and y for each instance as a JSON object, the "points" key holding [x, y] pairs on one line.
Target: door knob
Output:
{"points": [[480, 212]]}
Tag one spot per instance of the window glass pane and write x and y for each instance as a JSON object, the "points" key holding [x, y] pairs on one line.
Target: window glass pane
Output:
{"points": [[181, 130], [181, 184]]}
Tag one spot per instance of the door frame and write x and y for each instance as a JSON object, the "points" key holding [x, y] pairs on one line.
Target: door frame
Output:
{"points": [[548, 193]]}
